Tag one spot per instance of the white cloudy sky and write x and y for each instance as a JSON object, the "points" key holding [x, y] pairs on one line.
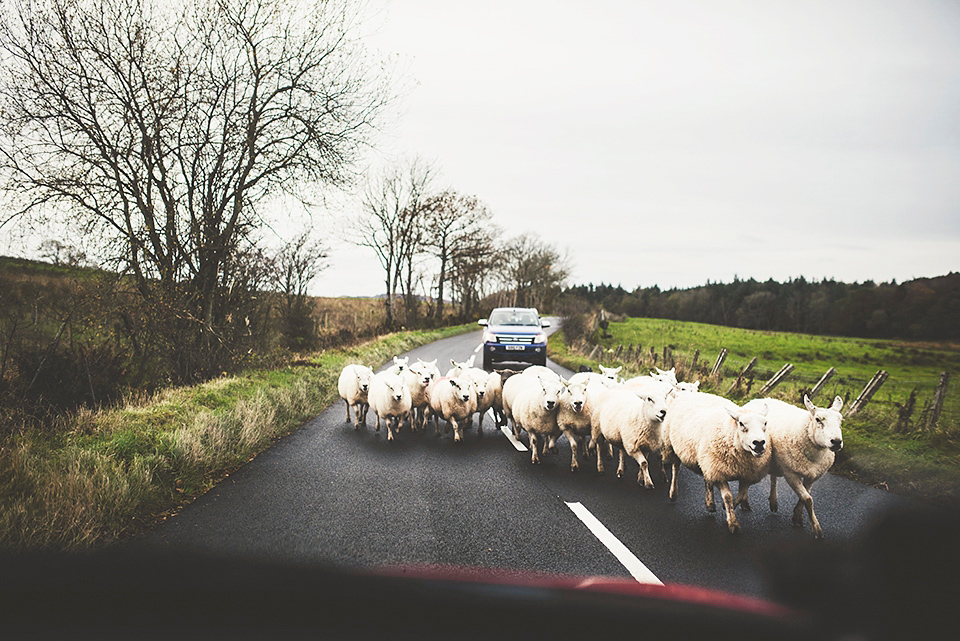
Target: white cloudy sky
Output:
{"points": [[674, 142]]}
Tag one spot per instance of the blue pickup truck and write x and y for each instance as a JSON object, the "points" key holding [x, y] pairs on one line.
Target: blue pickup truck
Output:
{"points": [[515, 335]]}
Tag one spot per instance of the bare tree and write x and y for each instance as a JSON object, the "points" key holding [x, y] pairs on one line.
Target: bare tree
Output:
{"points": [[391, 224], [165, 128], [295, 266], [459, 234], [532, 270]]}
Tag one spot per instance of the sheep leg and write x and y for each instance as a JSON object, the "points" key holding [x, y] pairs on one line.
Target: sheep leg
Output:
{"points": [[728, 505], [348, 410], [534, 445], [802, 488], [623, 462], [673, 480], [574, 447], [743, 500], [551, 445], [364, 407], [598, 444], [378, 422], [711, 505], [480, 423], [391, 422], [773, 493], [643, 478], [457, 430]]}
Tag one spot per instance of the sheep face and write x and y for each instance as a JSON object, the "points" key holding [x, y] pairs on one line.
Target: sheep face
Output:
{"points": [[576, 396], [428, 367], [665, 375], [552, 391], [464, 388], [422, 373], [610, 372], [654, 407], [751, 430], [689, 387], [400, 363], [364, 375], [824, 426]]}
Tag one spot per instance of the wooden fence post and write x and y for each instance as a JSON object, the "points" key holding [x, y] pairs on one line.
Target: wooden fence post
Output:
{"points": [[696, 357], [938, 397], [776, 379], [868, 392], [722, 356], [743, 372], [823, 381], [618, 352]]}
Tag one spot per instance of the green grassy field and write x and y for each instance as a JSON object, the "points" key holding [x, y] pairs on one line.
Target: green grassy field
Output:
{"points": [[882, 448]]}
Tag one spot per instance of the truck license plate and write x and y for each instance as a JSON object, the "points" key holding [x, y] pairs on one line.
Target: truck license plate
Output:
{"points": [[514, 348]]}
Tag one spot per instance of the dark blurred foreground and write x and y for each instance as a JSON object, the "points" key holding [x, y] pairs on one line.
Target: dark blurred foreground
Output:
{"points": [[900, 580]]}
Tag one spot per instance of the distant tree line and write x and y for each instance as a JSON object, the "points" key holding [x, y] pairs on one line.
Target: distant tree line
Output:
{"points": [[923, 309]]}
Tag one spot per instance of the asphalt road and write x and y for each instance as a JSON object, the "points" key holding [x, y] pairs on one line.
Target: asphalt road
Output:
{"points": [[333, 495]]}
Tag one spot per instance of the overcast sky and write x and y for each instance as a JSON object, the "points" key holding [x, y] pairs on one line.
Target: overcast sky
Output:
{"points": [[677, 142]]}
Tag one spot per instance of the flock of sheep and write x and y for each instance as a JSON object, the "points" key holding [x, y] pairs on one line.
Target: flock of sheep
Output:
{"points": [[600, 413]]}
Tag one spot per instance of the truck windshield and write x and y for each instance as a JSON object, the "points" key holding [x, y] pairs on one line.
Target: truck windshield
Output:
{"points": [[513, 318]]}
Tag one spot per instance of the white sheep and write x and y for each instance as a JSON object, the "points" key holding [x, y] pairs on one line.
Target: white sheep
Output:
{"points": [[535, 410], [487, 385], [573, 418], [430, 367], [511, 388], [399, 364], [805, 443], [353, 386], [540, 370], [665, 375], [418, 378], [632, 423], [683, 386], [720, 441], [459, 368], [453, 400], [390, 400], [612, 373]]}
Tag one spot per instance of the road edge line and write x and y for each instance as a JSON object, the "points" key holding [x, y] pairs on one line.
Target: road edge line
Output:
{"points": [[634, 566]]}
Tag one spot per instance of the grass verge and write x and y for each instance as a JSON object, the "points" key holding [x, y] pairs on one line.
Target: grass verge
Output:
{"points": [[919, 464], [107, 475]]}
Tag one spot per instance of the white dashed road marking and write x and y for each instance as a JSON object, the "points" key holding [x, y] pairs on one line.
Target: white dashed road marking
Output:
{"points": [[636, 568], [513, 439], [479, 347]]}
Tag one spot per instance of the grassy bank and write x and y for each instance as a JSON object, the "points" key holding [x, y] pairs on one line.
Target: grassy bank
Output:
{"points": [[106, 475], [885, 446]]}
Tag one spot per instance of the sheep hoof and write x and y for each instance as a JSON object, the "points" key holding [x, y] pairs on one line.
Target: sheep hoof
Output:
{"points": [[648, 486], [745, 506], [711, 508], [734, 528], [773, 506], [619, 474]]}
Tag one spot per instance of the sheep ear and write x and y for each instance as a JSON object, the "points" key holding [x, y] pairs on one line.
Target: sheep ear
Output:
{"points": [[734, 414], [837, 404], [696, 386], [454, 383], [617, 371], [809, 404], [763, 409]]}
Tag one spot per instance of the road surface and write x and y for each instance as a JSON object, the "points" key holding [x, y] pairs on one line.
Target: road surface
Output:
{"points": [[332, 495]]}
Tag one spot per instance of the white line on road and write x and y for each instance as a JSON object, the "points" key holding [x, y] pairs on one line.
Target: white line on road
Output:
{"points": [[636, 568], [513, 439], [479, 347]]}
